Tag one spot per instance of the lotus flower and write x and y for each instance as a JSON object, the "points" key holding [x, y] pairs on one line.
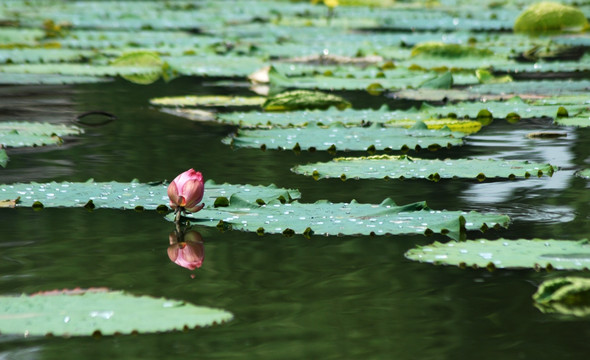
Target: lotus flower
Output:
{"points": [[186, 191], [190, 252]]}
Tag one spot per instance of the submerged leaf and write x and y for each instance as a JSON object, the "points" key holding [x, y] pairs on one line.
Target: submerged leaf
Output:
{"points": [[100, 311], [564, 295], [394, 167], [507, 254]]}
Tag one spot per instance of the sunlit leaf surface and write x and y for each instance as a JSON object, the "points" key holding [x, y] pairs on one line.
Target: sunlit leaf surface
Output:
{"points": [[352, 218], [96, 312], [564, 295]]}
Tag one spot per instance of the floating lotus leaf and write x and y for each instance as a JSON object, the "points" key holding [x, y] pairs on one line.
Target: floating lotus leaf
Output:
{"points": [[21, 134], [35, 55], [394, 167], [208, 100], [214, 65], [148, 60], [443, 50], [550, 16], [95, 312], [352, 218], [507, 254], [304, 99], [338, 137], [564, 295], [533, 87], [133, 195], [48, 79]]}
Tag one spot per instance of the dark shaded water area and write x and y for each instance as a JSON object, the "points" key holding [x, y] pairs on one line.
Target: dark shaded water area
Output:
{"points": [[292, 297]]}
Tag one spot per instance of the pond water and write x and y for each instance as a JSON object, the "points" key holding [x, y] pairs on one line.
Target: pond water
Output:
{"points": [[292, 297]]}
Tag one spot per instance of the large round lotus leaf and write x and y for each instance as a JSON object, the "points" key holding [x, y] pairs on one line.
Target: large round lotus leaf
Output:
{"points": [[394, 167], [339, 137], [148, 60], [304, 99], [21, 134], [440, 49], [95, 312], [550, 16], [208, 100], [323, 217], [504, 254], [564, 295], [129, 195]]}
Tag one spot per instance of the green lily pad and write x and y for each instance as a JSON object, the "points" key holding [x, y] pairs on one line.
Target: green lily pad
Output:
{"points": [[49, 79], [507, 254], [214, 65], [133, 195], [22, 134], [36, 55], [444, 50], [584, 173], [564, 295], [351, 218], [148, 60], [338, 137], [550, 16], [207, 100], [304, 99], [402, 167], [96, 312]]}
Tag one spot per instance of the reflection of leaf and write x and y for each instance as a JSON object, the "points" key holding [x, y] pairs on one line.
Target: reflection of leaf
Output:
{"points": [[353, 218], [95, 312], [130, 195], [503, 253], [564, 295], [394, 167], [338, 137]]}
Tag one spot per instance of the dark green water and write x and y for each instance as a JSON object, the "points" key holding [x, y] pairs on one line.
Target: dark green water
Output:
{"points": [[293, 298]]}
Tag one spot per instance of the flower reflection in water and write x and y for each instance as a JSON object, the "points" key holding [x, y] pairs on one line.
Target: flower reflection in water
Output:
{"points": [[186, 249]]}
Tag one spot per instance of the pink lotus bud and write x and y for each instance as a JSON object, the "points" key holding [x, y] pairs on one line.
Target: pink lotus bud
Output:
{"points": [[186, 191], [189, 253]]}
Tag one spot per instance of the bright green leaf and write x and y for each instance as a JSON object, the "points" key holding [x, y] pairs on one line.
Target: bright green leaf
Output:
{"points": [[304, 99], [208, 100], [550, 16], [564, 295]]}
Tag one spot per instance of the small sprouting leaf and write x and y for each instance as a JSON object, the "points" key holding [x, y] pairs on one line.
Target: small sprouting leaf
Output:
{"points": [[444, 81], [342, 138], [304, 99], [100, 312], [395, 167], [564, 295], [507, 254]]}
